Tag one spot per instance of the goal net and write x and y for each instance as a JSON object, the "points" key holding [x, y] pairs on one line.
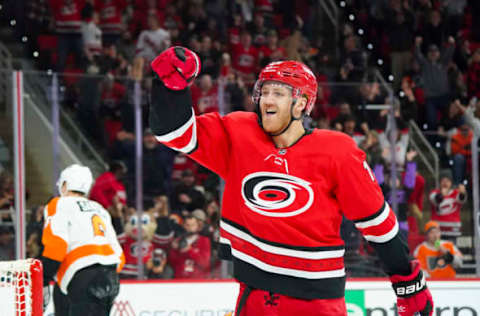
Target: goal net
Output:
{"points": [[21, 286]]}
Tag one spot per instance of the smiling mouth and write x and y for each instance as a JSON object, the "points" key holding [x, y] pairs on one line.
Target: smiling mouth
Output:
{"points": [[270, 112]]}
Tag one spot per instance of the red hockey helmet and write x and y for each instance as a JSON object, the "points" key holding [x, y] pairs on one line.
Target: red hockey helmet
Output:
{"points": [[293, 73]]}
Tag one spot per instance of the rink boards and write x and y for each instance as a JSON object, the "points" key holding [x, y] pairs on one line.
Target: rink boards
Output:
{"points": [[206, 298]]}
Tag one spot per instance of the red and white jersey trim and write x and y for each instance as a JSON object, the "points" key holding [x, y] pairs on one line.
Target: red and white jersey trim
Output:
{"points": [[314, 255], [284, 271], [376, 220], [183, 139], [163, 239], [381, 228], [449, 224], [385, 237]]}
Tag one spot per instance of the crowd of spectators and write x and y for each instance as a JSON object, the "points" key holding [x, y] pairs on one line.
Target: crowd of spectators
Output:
{"points": [[428, 49]]}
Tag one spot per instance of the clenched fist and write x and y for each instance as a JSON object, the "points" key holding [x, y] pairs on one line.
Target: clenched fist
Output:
{"points": [[177, 67]]}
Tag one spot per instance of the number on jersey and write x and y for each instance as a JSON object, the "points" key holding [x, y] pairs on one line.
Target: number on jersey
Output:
{"points": [[370, 173], [99, 226]]}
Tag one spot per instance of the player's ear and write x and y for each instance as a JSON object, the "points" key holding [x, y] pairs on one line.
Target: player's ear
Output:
{"points": [[300, 106]]}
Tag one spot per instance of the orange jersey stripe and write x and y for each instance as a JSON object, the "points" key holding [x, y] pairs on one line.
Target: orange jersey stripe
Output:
{"points": [[81, 252], [122, 263], [55, 247], [52, 206]]}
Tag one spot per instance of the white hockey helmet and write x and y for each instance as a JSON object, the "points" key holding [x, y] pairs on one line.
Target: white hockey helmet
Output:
{"points": [[77, 178]]}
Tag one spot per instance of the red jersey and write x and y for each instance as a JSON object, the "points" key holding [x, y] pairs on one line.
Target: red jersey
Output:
{"points": [[67, 15], [131, 250], [282, 208], [447, 212], [233, 36], [278, 53], [106, 187], [193, 263], [111, 15], [205, 101], [245, 60]]}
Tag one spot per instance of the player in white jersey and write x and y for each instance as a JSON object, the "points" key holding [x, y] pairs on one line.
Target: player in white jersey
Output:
{"points": [[81, 252]]}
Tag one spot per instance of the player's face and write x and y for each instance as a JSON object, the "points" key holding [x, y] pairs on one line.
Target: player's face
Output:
{"points": [[275, 103]]}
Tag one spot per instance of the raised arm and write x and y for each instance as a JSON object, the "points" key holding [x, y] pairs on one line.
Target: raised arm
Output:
{"points": [[418, 51], [172, 118]]}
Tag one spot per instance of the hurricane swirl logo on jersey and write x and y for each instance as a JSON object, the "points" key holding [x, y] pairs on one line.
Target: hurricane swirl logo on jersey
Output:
{"points": [[276, 194]]}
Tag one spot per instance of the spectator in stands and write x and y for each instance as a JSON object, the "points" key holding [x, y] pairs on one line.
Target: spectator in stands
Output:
{"points": [[435, 78], [454, 12], [157, 166], [438, 258], [113, 93], [236, 91], [91, 36], [446, 203], [245, 57], [205, 95], [109, 60], [344, 111], [152, 41], [354, 59], [6, 196], [209, 57], [400, 150], [203, 227], [350, 128], [68, 22], [35, 223], [469, 115], [168, 224], [461, 150], [7, 249], [368, 92], [234, 31], [371, 146], [271, 51], [400, 31], [258, 29], [186, 195], [404, 187], [157, 266], [190, 252], [451, 120], [171, 19], [409, 106], [111, 14], [435, 31], [109, 185], [473, 75]]}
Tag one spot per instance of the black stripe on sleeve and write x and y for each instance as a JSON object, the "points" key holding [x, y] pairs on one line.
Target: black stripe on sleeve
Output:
{"points": [[169, 109], [356, 221]]}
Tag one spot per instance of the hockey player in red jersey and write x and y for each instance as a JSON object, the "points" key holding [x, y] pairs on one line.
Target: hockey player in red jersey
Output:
{"points": [[286, 190]]}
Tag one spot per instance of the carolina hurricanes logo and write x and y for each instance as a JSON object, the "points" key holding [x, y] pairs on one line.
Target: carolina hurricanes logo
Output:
{"points": [[276, 194]]}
